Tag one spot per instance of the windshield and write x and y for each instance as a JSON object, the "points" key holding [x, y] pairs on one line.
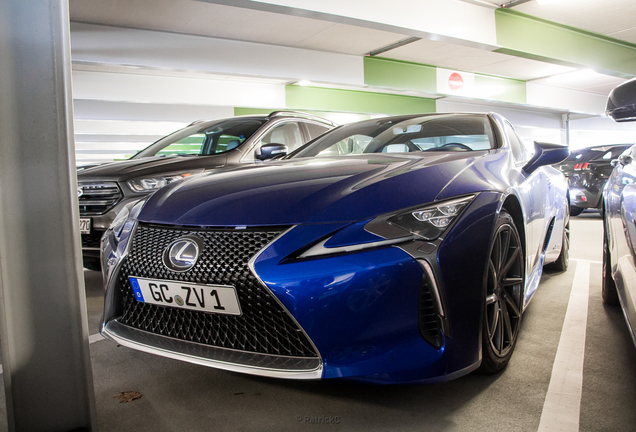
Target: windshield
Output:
{"points": [[456, 132], [206, 138]]}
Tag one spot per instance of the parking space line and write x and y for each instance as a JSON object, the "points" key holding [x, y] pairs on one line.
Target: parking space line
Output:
{"points": [[562, 405], [587, 261]]}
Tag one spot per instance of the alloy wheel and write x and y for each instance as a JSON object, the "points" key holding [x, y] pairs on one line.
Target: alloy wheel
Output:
{"points": [[504, 290]]}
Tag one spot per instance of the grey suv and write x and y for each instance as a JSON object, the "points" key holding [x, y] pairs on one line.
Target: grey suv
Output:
{"points": [[104, 189]]}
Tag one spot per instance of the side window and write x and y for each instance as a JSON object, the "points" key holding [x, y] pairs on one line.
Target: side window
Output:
{"points": [[315, 130], [189, 145], [518, 149], [227, 143], [288, 134], [354, 144]]}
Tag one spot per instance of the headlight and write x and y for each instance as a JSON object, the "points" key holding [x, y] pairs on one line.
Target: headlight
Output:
{"points": [[115, 240], [427, 223], [124, 220], [148, 184], [431, 221]]}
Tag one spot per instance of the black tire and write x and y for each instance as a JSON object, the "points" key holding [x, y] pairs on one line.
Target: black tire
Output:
{"points": [[503, 298], [608, 287], [575, 211], [562, 262], [92, 264]]}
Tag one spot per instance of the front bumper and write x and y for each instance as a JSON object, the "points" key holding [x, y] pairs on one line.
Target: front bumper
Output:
{"points": [[360, 311]]}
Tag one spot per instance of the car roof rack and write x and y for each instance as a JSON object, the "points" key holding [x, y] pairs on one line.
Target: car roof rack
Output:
{"points": [[196, 122], [299, 114]]}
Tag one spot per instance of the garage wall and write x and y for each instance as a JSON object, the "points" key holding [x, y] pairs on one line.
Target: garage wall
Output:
{"points": [[599, 131]]}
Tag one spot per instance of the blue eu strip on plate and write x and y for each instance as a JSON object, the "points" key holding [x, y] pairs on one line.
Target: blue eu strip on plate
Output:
{"points": [[136, 289]]}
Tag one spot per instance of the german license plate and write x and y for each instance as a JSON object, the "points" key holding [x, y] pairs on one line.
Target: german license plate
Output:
{"points": [[220, 299], [85, 225]]}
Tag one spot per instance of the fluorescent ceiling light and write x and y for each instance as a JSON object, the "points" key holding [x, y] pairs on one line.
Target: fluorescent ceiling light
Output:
{"points": [[545, 2], [304, 83]]}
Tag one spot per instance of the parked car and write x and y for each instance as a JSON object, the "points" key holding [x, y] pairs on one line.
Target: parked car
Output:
{"points": [[619, 228], [105, 189], [401, 249], [587, 171]]}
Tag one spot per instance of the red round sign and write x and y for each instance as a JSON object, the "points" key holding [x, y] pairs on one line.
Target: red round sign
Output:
{"points": [[455, 81]]}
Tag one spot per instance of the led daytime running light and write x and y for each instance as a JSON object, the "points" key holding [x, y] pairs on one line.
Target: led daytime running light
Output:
{"points": [[441, 216], [431, 221]]}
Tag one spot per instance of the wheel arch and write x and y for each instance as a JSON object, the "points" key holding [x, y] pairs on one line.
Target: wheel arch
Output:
{"points": [[512, 205]]}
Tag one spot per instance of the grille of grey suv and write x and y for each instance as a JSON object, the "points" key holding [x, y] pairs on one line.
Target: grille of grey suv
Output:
{"points": [[92, 240], [97, 198], [264, 327]]}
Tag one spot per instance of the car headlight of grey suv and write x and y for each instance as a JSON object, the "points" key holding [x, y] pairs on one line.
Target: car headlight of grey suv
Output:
{"points": [[149, 184]]}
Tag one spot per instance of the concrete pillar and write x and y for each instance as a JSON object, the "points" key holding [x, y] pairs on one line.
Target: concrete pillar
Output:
{"points": [[44, 333]]}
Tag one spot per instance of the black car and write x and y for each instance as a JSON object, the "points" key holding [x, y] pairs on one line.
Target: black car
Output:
{"points": [[587, 171], [105, 189]]}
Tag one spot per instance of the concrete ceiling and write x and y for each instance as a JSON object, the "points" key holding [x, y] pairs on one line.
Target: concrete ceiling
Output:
{"points": [[227, 22], [609, 17], [474, 60], [615, 18]]}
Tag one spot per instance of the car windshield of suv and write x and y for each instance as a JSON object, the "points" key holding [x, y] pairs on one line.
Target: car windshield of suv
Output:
{"points": [[416, 134], [204, 139]]}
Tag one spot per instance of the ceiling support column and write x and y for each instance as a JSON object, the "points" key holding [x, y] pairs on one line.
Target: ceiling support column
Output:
{"points": [[44, 332], [565, 127]]}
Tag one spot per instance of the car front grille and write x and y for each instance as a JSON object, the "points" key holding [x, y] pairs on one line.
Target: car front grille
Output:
{"points": [[92, 240], [264, 326], [96, 198]]}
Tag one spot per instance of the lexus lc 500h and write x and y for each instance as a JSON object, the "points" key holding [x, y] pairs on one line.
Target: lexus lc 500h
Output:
{"points": [[401, 249]]}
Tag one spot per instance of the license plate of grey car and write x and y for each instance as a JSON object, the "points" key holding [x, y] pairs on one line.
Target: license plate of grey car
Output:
{"points": [[220, 299], [85, 225]]}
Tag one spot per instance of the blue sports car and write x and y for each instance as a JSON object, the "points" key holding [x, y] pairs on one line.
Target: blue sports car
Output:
{"points": [[400, 249]]}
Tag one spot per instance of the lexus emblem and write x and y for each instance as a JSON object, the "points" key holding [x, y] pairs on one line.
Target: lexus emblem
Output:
{"points": [[182, 254]]}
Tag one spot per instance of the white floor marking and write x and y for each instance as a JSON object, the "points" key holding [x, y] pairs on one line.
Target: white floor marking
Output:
{"points": [[562, 405], [91, 339], [587, 261]]}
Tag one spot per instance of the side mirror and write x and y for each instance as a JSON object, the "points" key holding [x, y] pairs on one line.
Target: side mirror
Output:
{"points": [[621, 103], [546, 154], [625, 159], [269, 151]]}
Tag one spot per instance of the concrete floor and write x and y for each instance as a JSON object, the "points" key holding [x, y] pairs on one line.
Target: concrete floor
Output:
{"points": [[180, 396]]}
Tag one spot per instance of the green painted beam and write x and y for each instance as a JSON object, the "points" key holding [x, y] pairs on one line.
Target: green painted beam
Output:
{"points": [[397, 74], [327, 99], [252, 111], [538, 39], [337, 117]]}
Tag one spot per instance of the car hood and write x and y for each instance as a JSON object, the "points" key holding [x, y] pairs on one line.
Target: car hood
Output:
{"points": [[310, 190], [133, 168]]}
